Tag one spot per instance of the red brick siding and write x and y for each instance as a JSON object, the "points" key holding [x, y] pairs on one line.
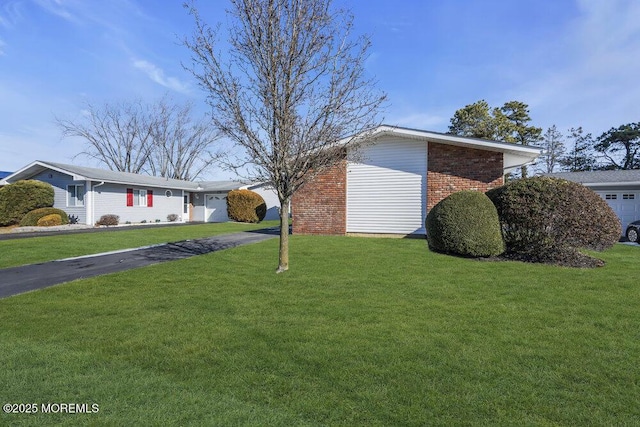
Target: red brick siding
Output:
{"points": [[320, 206], [452, 169]]}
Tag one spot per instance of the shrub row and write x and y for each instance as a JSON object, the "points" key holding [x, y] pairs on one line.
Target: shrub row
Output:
{"points": [[538, 219]]}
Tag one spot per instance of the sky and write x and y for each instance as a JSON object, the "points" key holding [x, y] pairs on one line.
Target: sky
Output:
{"points": [[574, 62]]}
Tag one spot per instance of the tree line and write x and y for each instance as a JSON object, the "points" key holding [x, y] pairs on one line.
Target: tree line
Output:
{"points": [[573, 151]]}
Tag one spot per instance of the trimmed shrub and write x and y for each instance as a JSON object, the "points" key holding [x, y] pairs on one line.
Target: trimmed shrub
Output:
{"points": [[549, 220], [31, 219], [172, 217], [21, 197], [108, 220], [50, 220], [465, 223], [246, 206]]}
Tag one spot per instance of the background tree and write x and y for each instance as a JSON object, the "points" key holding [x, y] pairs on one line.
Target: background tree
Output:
{"points": [[117, 135], [291, 86], [620, 146], [554, 149], [182, 146], [512, 122], [160, 138], [474, 120], [580, 155], [509, 123]]}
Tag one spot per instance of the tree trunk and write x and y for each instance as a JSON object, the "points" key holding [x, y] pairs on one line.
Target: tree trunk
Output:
{"points": [[283, 255]]}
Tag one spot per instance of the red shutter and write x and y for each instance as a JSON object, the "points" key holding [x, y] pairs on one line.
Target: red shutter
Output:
{"points": [[129, 196], [149, 198]]}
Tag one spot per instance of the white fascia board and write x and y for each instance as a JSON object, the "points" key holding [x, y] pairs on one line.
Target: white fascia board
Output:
{"points": [[612, 184], [526, 152], [36, 167]]}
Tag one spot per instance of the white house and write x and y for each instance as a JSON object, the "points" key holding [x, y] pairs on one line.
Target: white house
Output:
{"points": [[397, 177], [89, 193]]}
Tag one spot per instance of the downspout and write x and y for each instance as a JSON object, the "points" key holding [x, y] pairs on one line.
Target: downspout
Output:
{"points": [[93, 203]]}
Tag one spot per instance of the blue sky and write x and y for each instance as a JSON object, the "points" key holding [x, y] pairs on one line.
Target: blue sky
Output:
{"points": [[575, 62]]}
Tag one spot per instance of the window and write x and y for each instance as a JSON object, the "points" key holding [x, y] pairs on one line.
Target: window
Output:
{"points": [[611, 196], [75, 195], [140, 197], [136, 197], [628, 196]]}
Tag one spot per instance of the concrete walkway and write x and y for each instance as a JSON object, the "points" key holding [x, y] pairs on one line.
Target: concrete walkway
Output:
{"points": [[17, 280]]}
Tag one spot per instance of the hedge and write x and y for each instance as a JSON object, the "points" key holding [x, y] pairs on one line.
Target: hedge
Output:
{"points": [[21, 197]]}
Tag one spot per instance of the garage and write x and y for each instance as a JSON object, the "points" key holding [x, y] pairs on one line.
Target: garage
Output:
{"points": [[387, 188], [215, 207], [624, 203]]}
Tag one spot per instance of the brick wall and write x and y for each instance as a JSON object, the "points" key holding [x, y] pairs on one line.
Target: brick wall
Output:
{"points": [[452, 169], [320, 206]]}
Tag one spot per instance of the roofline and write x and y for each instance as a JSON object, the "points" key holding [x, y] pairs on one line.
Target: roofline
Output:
{"points": [[610, 184], [79, 177], [463, 140]]}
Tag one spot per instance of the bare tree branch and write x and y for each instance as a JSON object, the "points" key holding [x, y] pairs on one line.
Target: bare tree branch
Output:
{"points": [[292, 85]]}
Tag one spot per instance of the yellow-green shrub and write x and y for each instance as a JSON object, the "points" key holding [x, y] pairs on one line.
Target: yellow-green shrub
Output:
{"points": [[246, 206], [31, 218], [50, 220]]}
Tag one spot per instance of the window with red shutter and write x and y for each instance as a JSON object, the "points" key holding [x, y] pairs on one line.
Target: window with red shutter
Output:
{"points": [[129, 196]]}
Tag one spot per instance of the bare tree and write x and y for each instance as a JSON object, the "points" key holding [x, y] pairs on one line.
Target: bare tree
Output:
{"points": [[118, 135], [554, 149], [160, 138], [182, 146], [290, 91]]}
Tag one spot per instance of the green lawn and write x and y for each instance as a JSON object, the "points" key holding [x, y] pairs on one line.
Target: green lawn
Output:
{"points": [[40, 249], [359, 332]]}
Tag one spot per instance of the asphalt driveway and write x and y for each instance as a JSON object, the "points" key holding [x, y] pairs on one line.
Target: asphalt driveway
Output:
{"points": [[17, 280]]}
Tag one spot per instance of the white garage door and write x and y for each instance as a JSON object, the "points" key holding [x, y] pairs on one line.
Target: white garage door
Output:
{"points": [[386, 188], [626, 204], [216, 207]]}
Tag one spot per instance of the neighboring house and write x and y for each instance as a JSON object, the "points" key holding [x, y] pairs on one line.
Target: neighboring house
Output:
{"points": [[4, 174], [399, 175], [89, 193], [620, 189]]}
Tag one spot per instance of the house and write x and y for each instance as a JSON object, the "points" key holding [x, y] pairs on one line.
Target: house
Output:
{"points": [[89, 193], [397, 176], [619, 188]]}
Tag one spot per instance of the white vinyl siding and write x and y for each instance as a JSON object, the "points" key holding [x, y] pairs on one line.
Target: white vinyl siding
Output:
{"points": [[387, 187]]}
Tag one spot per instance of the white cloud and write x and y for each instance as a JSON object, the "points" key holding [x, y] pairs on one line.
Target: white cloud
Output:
{"points": [[595, 86], [157, 75]]}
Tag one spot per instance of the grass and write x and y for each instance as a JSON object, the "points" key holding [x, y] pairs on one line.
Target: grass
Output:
{"points": [[47, 248], [359, 332]]}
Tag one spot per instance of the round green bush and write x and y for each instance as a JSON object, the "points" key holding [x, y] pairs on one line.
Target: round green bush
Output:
{"points": [[31, 218], [246, 206], [50, 220], [21, 197], [550, 219], [465, 223]]}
